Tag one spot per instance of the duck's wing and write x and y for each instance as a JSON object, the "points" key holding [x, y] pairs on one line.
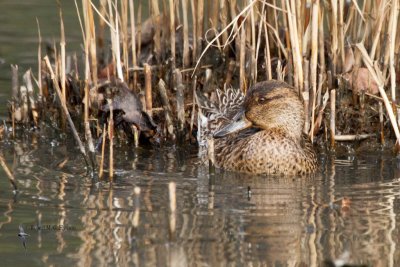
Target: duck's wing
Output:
{"points": [[213, 115]]}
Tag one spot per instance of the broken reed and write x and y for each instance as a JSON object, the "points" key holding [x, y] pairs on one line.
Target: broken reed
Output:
{"points": [[289, 34]]}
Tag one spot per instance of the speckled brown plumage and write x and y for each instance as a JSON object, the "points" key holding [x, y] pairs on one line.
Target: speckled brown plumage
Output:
{"points": [[275, 142]]}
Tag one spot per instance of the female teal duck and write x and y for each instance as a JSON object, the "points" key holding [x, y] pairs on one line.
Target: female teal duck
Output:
{"points": [[266, 134]]}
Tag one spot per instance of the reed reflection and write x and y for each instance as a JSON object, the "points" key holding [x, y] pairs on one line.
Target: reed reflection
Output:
{"points": [[347, 210]]}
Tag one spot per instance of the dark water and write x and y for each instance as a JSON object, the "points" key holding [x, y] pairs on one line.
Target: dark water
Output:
{"points": [[349, 209]]}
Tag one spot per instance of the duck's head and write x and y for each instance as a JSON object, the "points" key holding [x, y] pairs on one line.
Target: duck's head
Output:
{"points": [[269, 105]]}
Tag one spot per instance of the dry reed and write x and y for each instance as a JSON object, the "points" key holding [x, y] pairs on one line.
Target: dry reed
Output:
{"points": [[256, 40]]}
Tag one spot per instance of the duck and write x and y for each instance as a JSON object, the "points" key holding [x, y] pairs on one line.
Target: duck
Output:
{"points": [[265, 136]]}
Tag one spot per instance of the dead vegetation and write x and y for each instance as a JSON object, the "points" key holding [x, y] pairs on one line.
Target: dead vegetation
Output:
{"points": [[141, 70]]}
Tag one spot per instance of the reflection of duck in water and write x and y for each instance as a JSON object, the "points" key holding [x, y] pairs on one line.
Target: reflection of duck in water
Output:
{"points": [[273, 142]]}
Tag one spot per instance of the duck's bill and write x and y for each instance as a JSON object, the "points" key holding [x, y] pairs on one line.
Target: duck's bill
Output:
{"points": [[237, 125]]}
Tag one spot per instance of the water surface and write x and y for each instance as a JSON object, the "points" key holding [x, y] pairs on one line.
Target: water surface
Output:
{"points": [[350, 207]]}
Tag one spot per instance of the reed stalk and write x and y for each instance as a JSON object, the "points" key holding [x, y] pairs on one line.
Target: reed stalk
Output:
{"points": [[351, 137], [157, 35], [148, 90], [253, 59], [306, 95], [62, 49], [103, 148], [194, 97], [242, 62], [314, 59], [334, 35], [31, 99], [333, 118], [341, 33], [24, 104], [199, 26], [186, 58], [39, 58], [9, 174], [321, 42], [139, 28], [378, 29], [223, 7], [381, 123], [194, 28], [392, 38], [111, 140], [296, 53], [133, 41], [167, 108], [135, 135], [180, 102], [124, 36], [377, 76], [65, 108], [267, 51], [172, 32]]}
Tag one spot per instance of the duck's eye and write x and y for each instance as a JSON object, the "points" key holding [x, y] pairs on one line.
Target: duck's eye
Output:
{"points": [[262, 100]]}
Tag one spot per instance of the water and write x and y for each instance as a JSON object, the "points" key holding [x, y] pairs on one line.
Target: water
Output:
{"points": [[19, 36], [350, 206], [348, 210]]}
